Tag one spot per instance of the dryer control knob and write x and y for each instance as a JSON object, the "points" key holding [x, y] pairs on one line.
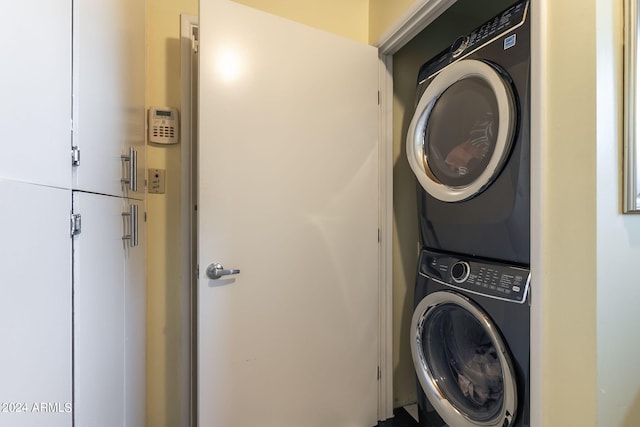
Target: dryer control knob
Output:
{"points": [[459, 46], [460, 271]]}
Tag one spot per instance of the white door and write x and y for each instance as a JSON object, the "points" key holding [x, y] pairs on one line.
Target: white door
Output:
{"points": [[109, 95], [35, 307], [35, 83], [288, 194]]}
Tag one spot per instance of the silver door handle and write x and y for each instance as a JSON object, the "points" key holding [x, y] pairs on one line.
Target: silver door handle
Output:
{"points": [[216, 271], [132, 217], [131, 179]]}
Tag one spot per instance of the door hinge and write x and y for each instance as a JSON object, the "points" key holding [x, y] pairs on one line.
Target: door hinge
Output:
{"points": [[195, 43], [75, 156], [76, 224], [379, 373], [378, 97]]}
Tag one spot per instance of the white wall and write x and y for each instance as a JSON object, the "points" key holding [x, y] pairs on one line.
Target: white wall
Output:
{"points": [[618, 240], [164, 242], [383, 14]]}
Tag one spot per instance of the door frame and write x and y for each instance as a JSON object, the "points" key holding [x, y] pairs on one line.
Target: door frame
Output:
{"points": [[188, 219], [406, 27], [412, 22]]}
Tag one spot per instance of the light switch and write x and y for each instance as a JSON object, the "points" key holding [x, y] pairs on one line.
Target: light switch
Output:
{"points": [[156, 181]]}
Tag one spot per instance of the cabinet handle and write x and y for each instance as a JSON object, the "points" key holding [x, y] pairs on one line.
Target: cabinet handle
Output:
{"points": [[132, 217], [132, 159]]}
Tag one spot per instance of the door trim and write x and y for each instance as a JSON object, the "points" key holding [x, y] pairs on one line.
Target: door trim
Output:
{"points": [[414, 20], [188, 221]]}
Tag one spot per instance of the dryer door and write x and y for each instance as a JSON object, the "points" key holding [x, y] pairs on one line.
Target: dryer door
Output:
{"points": [[462, 130], [462, 363]]}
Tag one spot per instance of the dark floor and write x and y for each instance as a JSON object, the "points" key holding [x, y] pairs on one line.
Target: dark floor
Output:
{"points": [[401, 418]]}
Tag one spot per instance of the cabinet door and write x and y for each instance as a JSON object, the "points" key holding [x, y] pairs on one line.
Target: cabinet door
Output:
{"points": [[99, 301], [35, 83], [109, 312], [35, 306], [135, 315], [108, 86]]}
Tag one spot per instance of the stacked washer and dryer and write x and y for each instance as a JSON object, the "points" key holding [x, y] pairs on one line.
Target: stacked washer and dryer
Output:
{"points": [[469, 147]]}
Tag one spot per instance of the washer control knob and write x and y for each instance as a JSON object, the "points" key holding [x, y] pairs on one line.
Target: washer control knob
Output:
{"points": [[460, 271], [459, 46]]}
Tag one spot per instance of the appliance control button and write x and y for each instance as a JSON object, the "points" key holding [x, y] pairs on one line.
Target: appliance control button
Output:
{"points": [[459, 46], [460, 271]]}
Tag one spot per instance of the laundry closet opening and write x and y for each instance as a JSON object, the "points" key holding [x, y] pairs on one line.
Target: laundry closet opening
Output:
{"points": [[459, 19]]}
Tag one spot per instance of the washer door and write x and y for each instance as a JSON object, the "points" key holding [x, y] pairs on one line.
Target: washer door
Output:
{"points": [[462, 130], [462, 363]]}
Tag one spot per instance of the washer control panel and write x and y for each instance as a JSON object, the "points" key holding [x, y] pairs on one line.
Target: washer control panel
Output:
{"points": [[487, 278]]}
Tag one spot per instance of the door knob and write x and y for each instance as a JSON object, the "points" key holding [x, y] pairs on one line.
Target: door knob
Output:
{"points": [[216, 271]]}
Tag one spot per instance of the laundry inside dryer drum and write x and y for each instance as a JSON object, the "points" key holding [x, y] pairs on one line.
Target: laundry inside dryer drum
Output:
{"points": [[457, 154], [464, 362]]}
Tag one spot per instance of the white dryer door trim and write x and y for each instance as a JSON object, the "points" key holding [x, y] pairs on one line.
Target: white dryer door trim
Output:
{"points": [[434, 385], [418, 156]]}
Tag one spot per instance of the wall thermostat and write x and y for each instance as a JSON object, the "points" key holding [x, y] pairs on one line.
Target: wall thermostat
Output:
{"points": [[163, 125]]}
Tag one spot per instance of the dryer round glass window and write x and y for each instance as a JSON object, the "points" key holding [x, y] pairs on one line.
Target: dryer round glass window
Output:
{"points": [[462, 131], [461, 362], [460, 136]]}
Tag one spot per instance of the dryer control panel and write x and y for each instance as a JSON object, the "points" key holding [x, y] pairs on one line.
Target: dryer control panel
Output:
{"points": [[501, 281], [502, 25], [507, 20]]}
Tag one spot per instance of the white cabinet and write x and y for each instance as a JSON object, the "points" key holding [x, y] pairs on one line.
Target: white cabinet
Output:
{"points": [[109, 94], [73, 75], [35, 306], [35, 83], [135, 322], [109, 312], [109, 271]]}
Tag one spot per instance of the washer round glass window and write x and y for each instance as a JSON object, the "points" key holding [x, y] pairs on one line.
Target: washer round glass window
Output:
{"points": [[461, 132], [462, 358]]}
